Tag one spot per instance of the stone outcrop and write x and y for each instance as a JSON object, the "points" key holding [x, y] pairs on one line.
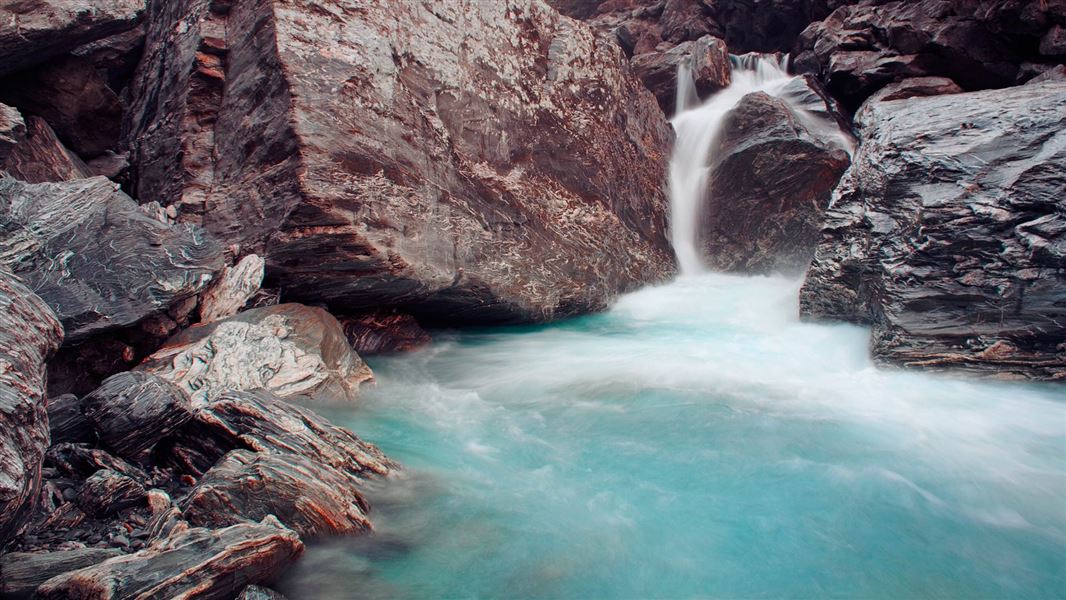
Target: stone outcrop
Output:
{"points": [[948, 235], [34, 32], [255, 592], [383, 332], [12, 131], [485, 161], [66, 421], [29, 333], [195, 563], [769, 184], [22, 572], [234, 288], [41, 157], [289, 349], [130, 412], [979, 44], [308, 497], [706, 60], [107, 491], [56, 236]]}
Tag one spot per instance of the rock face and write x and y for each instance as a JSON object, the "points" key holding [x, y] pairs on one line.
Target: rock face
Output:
{"points": [[66, 421], [12, 130], [41, 157], [515, 174], [34, 32], [769, 185], [706, 59], [979, 44], [255, 592], [22, 572], [289, 349], [948, 234], [29, 333], [383, 332], [56, 236], [197, 563], [107, 491], [234, 287], [311, 498], [132, 411]]}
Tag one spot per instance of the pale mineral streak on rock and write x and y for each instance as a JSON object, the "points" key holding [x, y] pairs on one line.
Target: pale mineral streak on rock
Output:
{"points": [[12, 131], [29, 334], [289, 349], [41, 157], [255, 592], [107, 491], [383, 331], [234, 287]]}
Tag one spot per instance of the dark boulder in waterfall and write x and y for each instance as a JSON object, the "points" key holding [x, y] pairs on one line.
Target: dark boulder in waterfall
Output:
{"points": [[483, 161], [706, 61], [771, 177], [948, 233], [58, 236], [29, 333], [979, 44]]}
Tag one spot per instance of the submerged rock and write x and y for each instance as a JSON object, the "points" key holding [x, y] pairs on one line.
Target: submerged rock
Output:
{"points": [[289, 349], [948, 234], [29, 333], [41, 157], [484, 161], [195, 563], [56, 236]]}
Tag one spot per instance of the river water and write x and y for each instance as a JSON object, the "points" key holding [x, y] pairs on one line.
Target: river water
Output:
{"points": [[698, 440]]}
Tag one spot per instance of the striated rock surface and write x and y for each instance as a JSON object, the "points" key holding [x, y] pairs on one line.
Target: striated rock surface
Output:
{"points": [[488, 161], [255, 592], [41, 157], [22, 572], [948, 233], [132, 411], [770, 182], [66, 421], [289, 349], [29, 333], [309, 497], [12, 131], [196, 563], [383, 332], [35, 31], [706, 60], [107, 491], [233, 289], [56, 236]]}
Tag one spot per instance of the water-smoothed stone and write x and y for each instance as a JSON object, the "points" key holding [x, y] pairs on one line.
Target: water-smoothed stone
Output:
{"points": [[196, 563], [309, 497], [22, 572], [67, 422], [41, 157], [132, 411], [260, 421], [29, 334], [770, 181], [234, 287], [290, 349], [57, 236], [383, 332], [255, 592], [36, 31], [707, 61], [75, 100], [948, 235], [106, 492], [481, 161], [12, 131]]}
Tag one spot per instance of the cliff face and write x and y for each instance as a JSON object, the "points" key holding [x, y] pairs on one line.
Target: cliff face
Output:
{"points": [[476, 162]]}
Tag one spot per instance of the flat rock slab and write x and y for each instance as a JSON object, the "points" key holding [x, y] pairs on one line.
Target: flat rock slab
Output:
{"points": [[29, 333], [289, 349], [196, 563], [22, 572], [58, 236], [948, 233]]}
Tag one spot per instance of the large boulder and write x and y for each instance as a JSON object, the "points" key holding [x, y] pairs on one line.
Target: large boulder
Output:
{"points": [[41, 157], [705, 60], [488, 161], [29, 333], [948, 233], [132, 411], [290, 349], [59, 237], [194, 563], [24, 571]]}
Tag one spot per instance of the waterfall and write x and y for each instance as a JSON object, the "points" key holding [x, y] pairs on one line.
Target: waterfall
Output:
{"points": [[698, 126]]}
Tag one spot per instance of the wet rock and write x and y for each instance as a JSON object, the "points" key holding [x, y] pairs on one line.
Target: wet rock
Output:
{"points": [[197, 563], [34, 32], [41, 157], [106, 492], [521, 186], [29, 333], [74, 99], [255, 592], [947, 234], [57, 235], [132, 411], [67, 422], [12, 130], [289, 349], [916, 86], [22, 572], [707, 59], [383, 332], [310, 498], [234, 287], [258, 420], [770, 182]]}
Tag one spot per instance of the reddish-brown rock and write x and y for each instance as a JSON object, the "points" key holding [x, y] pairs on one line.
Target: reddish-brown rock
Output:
{"points": [[12, 131], [706, 61], [383, 332], [488, 161], [41, 157]]}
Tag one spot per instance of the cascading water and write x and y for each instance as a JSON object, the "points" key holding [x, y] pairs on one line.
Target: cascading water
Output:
{"points": [[698, 440]]}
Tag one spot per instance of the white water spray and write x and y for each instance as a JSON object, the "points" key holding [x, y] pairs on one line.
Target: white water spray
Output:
{"points": [[698, 130]]}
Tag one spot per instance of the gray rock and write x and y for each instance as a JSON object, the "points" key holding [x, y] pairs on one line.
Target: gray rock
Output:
{"points": [[132, 411], [67, 422], [22, 572], [255, 592], [80, 461], [12, 130], [706, 59], [948, 235], [41, 157], [56, 236], [232, 290], [29, 333], [106, 492], [383, 332]]}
